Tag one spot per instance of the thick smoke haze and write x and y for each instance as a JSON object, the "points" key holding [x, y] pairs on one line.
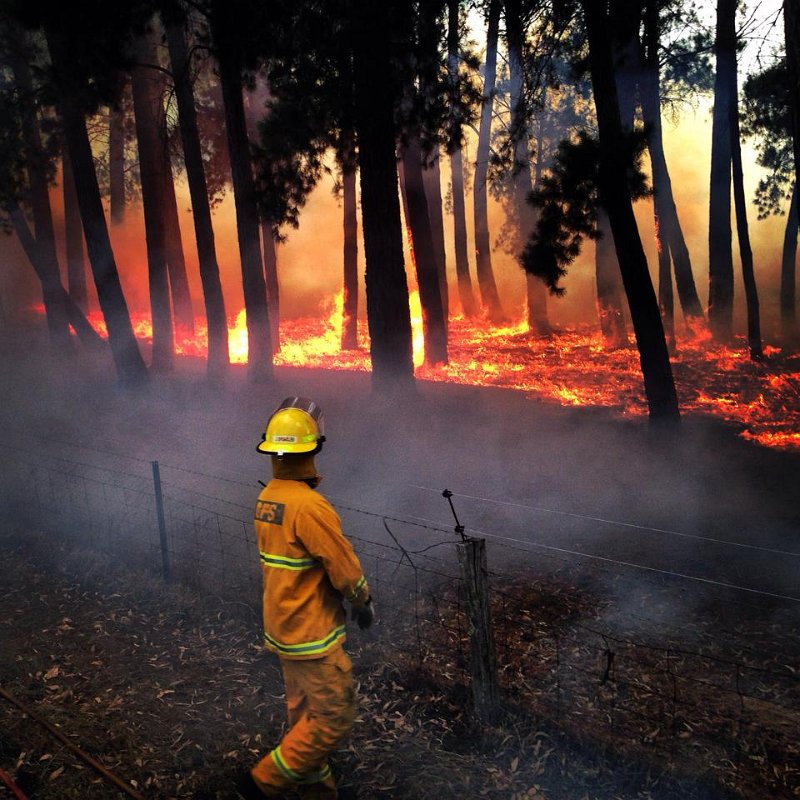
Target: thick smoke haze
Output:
{"points": [[309, 262]]}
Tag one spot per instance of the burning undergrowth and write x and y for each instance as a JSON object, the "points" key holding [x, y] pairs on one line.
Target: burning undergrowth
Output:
{"points": [[573, 367]]}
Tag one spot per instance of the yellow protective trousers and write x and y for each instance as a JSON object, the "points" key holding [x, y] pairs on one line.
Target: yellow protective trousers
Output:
{"points": [[321, 701]]}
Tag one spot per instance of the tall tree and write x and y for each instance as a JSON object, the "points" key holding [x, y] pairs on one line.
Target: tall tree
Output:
{"points": [[76, 267], [116, 159], [224, 20], [418, 115], [521, 173], [457, 165], [147, 106], [616, 199], [430, 294], [218, 355], [483, 253], [720, 256], [767, 118], [38, 192], [608, 281], [388, 314], [742, 229], [347, 157], [672, 248], [65, 33], [432, 180], [791, 28]]}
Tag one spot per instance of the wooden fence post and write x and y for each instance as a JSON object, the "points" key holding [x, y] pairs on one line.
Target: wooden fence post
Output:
{"points": [[485, 693], [162, 525]]}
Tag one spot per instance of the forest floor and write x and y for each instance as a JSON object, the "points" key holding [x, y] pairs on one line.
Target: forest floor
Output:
{"points": [[170, 688], [172, 692]]}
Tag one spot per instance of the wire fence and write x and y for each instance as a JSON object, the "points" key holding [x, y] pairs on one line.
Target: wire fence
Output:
{"points": [[668, 702]]}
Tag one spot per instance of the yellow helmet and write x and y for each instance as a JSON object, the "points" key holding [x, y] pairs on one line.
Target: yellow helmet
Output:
{"points": [[296, 426]]}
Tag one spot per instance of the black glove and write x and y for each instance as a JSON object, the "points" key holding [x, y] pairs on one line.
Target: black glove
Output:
{"points": [[364, 615]]}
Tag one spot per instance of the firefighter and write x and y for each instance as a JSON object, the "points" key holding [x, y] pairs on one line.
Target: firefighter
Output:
{"points": [[309, 568]]}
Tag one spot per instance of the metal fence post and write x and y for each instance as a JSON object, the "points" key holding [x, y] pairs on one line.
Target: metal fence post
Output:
{"points": [[485, 692], [162, 525]]}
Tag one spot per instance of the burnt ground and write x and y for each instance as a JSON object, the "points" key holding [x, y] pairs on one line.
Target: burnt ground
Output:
{"points": [[171, 692], [169, 687]]}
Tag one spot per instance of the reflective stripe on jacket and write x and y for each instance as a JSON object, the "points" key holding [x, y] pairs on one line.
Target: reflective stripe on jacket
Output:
{"points": [[309, 567]]}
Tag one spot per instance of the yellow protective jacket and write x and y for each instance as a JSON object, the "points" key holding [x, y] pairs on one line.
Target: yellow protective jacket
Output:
{"points": [[309, 568]]}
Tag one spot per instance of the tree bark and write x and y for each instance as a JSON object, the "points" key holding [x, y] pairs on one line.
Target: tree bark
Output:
{"points": [[658, 381], [788, 272], [743, 231], [218, 355], [350, 277], [116, 163], [269, 248], [388, 314], [430, 295], [87, 335], [609, 285], [432, 179], [76, 266], [128, 361], [39, 195], [720, 255], [146, 108], [483, 252], [536, 292], [457, 171], [255, 294], [673, 243], [791, 29], [176, 263]]}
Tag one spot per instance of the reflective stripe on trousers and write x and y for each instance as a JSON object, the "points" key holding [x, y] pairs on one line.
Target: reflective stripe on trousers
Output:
{"points": [[321, 702]]}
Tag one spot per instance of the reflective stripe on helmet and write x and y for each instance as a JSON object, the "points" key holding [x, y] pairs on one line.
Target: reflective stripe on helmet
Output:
{"points": [[306, 648]]}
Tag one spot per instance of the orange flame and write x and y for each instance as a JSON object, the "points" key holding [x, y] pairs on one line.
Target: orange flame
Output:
{"points": [[572, 368]]}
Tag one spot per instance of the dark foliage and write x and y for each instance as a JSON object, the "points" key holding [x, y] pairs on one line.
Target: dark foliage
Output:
{"points": [[766, 117], [567, 199]]}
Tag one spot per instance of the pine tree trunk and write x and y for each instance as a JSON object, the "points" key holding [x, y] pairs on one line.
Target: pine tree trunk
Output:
{"points": [[434, 327], [146, 108], [720, 255], [743, 231], [457, 171], [218, 355], [128, 361], [432, 179], [247, 223], [39, 195], [788, 272], [77, 319], [350, 282], [615, 196], [525, 214], [116, 163], [609, 285], [669, 226], [666, 299], [270, 249], [76, 267], [483, 252], [388, 314], [176, 263], [791, 29]]}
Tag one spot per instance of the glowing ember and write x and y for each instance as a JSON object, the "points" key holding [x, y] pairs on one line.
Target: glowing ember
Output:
{"points": [[572, 368]]}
